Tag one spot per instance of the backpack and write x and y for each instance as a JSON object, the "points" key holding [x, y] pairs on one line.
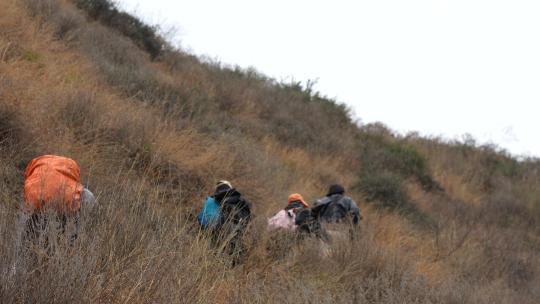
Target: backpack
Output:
{"points": [[308, 223], [210, 214], [284, 219], [330, 209], [235, 209], [52, 181]]}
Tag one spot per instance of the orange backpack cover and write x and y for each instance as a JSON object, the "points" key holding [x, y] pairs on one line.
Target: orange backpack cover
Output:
{"points": [[52, 181]]}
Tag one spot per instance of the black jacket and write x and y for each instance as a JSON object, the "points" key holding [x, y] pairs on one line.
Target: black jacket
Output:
{"points": [[234, 208], [335, 208]]}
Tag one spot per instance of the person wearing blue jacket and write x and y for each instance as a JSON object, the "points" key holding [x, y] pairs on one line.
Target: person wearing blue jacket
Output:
{"points": [[226, 215]]}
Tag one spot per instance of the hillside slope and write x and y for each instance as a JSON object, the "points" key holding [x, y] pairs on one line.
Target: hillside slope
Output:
{"points": [[153, 128]]}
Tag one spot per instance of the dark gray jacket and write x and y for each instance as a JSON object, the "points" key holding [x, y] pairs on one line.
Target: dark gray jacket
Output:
{"points": [[336, 208]]}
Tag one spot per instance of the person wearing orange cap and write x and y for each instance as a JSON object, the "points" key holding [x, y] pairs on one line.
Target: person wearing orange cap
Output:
{"points": [[296, 200], [286, 218]]}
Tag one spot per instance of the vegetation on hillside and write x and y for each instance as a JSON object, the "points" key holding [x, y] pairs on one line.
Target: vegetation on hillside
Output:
{"points": [[153, 128]]}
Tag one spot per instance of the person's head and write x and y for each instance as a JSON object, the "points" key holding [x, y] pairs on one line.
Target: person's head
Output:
{"points": [[296, 199], [335, 189], [223, 185], [222, 188]]}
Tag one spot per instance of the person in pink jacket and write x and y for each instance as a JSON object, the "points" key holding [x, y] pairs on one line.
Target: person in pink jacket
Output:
{"points": [[285, 218]]}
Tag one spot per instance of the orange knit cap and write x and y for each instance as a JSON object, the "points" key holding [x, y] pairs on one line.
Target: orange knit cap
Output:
{"points": [[295, 197]]}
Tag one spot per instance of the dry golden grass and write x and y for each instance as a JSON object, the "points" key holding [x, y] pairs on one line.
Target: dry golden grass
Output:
{"points": [[152, 151]]}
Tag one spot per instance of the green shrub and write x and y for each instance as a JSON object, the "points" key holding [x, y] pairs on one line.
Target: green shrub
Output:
{"points": [[143, 35], [385, 189], [378, 153]]}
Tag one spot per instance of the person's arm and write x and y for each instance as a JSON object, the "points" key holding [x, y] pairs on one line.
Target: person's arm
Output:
{"points": [[319, 205], [247, 208], [87, 198], [354, 210]]}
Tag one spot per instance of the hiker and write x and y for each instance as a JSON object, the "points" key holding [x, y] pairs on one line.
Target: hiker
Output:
{"points": [[226, 215], [285, 218], [336, 207], [308, 224], [52, 184]]}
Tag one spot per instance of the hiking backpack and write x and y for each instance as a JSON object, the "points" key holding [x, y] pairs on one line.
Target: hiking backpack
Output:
{"points": [[330, 209], [210, 214], [235, 209], [308, 223], [284, 219], [52, 181]]}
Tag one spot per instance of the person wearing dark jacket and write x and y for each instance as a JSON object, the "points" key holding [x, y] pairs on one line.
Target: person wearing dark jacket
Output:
{"points": [[336, 207], [236, 215], [309, 225], [234, 208]]}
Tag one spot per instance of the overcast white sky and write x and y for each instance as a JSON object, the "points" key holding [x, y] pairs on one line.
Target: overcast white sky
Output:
{"points": [[440, 67]]}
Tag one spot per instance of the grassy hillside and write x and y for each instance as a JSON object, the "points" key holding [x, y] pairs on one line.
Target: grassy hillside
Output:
{"points": [[153, 128]]}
